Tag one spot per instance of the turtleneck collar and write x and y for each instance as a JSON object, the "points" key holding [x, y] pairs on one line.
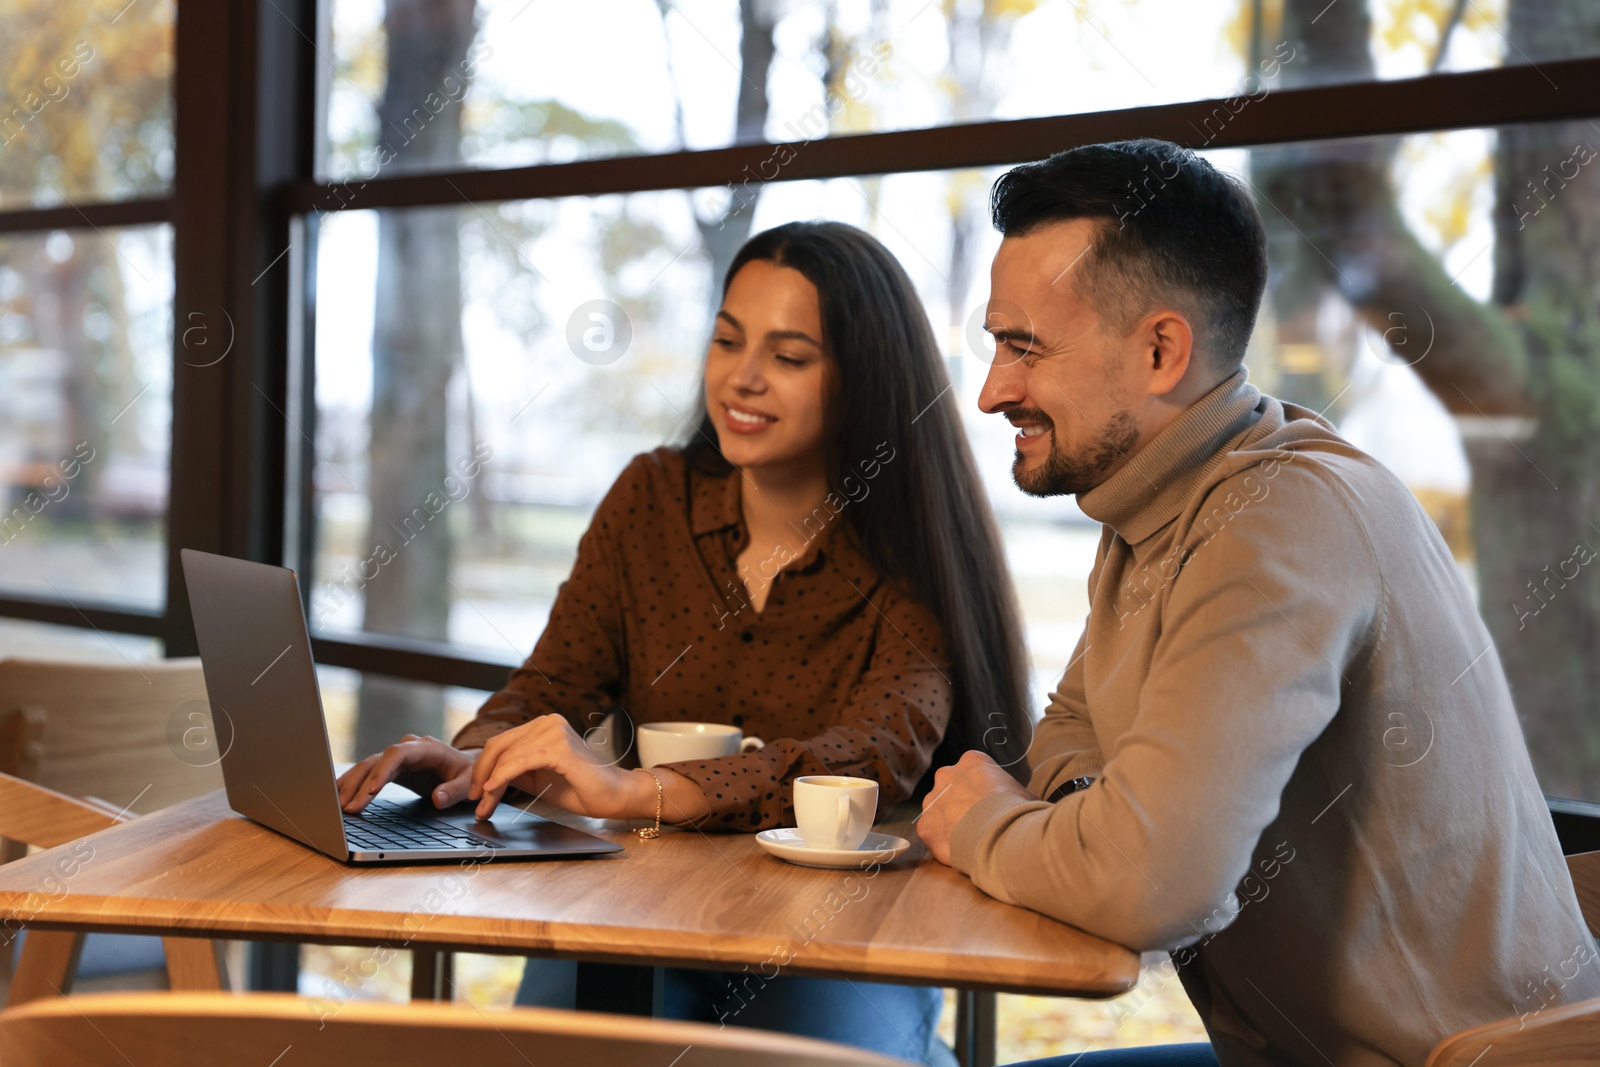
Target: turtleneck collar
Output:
{"points": [[1151, 489]]}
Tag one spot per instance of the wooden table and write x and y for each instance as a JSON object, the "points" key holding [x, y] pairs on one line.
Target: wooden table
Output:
{"points": [[687, 899]]}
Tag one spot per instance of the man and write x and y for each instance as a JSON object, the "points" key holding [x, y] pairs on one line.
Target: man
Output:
{"points": [[1284, 749]]}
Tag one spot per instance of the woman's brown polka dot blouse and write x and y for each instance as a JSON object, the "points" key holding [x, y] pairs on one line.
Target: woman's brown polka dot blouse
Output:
{"points": [[839, 673]]}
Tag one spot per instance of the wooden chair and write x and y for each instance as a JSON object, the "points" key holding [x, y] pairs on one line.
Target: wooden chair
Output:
{"points": [[138, 738], [37, 816], [134, 735], [1568, 1035], [130, 738], [199, 1030]]}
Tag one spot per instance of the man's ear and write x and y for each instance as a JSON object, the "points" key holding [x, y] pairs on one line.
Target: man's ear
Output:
{"points": [[1169, 345]]}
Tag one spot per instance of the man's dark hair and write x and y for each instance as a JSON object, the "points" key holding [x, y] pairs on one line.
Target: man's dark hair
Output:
{"points": [[1171, 229]]}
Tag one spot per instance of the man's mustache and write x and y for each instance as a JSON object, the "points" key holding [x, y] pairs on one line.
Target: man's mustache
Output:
{"points": [[1021, 415]]}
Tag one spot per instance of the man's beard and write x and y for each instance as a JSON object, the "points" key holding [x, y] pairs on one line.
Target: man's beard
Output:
{"points": [[1062, 474]]}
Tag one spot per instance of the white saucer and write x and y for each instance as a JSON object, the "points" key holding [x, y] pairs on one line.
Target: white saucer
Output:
{"points": [[787, 844]]}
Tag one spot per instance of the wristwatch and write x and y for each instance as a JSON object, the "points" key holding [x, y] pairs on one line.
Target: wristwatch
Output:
{"points": [[1066, 789]]}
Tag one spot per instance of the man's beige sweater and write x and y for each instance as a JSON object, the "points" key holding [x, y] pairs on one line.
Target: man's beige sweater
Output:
{"points": [[1312, 786]]}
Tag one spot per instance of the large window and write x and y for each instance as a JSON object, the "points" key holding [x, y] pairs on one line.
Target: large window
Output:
{"points": [[1423, 295], [86, 315], [396, 311], [546, 424]]}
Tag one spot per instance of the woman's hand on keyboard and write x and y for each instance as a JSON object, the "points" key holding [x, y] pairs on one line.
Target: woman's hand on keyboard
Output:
{"points": [[547, 758], [420, 763]]}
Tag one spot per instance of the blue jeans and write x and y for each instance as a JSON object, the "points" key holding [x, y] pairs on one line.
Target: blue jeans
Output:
{"points": [[890, 1019], [1198, 1055]]}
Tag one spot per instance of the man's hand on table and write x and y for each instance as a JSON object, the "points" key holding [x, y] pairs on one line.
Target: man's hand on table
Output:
{"points": [[955, 790]]}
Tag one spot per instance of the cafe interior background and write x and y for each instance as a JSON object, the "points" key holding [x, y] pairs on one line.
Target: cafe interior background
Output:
{"points": [[401, 328]]}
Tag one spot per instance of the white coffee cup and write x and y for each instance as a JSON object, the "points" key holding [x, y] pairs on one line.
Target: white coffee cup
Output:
{"points": [[671, 742], [835, 812]]}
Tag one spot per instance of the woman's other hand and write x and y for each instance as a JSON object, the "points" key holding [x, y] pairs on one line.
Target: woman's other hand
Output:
{"points": [[547, 758], [425, 764]]}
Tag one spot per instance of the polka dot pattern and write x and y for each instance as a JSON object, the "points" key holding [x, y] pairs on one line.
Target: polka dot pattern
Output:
{"points": [[839, 673]]}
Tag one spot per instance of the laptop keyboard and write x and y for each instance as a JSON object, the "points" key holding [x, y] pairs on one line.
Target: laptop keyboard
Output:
{"points": [[386, 827]]}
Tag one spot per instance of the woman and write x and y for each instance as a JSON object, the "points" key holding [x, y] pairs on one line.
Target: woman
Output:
{"points": [[816, 565]]}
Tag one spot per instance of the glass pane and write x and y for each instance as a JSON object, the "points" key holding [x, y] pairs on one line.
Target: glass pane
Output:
{"points": [[399, 707], [87, 100], [517, 82], [1447, 332], [85, 413], [38, 640], [337, 974], [449, 496], [1154, 1012]]}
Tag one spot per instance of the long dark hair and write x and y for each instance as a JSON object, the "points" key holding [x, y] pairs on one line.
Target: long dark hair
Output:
{"points": [[926, 524]]}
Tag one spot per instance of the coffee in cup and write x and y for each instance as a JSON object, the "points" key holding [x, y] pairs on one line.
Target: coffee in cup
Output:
{"points": [[835, 812], [672, 742]]}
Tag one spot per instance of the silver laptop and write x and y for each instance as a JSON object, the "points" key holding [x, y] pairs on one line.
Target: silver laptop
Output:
{"points": [[276, 761]]}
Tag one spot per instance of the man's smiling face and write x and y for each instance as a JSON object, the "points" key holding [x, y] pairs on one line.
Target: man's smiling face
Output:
{"points": [[1063, 374]]}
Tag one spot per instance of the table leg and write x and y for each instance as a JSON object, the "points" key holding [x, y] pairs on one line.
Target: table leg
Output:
{"points": [[619, 988], [9, 850], [195, 965], [975, 1028], [272, 967], [49, 962], [433, 975]]}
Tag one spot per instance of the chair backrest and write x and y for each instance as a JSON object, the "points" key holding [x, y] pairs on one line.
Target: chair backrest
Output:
{"points": [[1566, 1034], [195, 1029], [1585, 871], [137, 736]]}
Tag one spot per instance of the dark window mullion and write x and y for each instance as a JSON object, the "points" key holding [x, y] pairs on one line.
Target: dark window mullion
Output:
{"points": [[82, 613], [1502, 96], [418, 661], [104, 215]]}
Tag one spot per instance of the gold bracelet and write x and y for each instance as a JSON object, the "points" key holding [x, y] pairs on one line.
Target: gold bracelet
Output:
{"points": [[648, 832]]}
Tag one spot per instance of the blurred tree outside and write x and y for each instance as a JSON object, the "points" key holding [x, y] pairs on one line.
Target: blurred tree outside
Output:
{"points": [[978, 37], [417, 338], [416, 348], [724, 218], [724, 226], [85, 116], [87, 104], [1520, 373]]}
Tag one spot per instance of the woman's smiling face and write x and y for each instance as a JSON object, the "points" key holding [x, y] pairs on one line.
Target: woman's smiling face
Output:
{"points": [[768, 373]]}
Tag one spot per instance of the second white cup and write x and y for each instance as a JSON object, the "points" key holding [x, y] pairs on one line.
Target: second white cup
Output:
{"points": [[835, 812], [671, 742]]}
